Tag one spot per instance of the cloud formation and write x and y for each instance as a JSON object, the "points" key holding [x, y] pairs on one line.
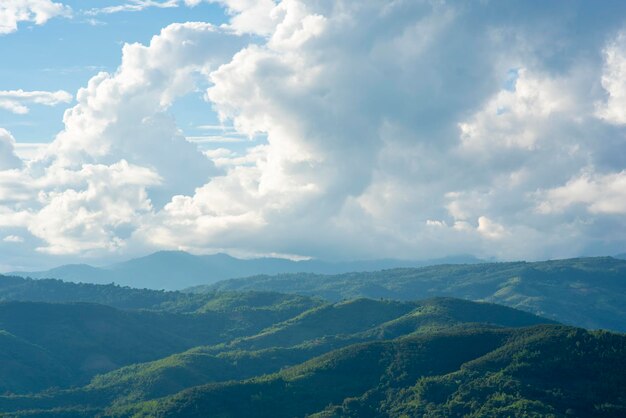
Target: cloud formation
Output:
{"points": [[17, 101], [403, 129], [134, 6], [8, 159], [12, 12]]}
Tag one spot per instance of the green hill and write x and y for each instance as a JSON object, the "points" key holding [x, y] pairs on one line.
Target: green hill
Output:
{"points": [[539, 371], [45, 344], [14, 288], [261, 353], [586, 292], [56, 291], [288, 343]]}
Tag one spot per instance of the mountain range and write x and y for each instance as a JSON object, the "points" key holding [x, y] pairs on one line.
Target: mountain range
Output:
{"points": [[174, 270], [586, 292], [356, 358], [319, 349]]}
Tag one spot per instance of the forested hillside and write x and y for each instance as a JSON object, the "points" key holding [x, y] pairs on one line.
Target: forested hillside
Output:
{"points": [[232, 343], [84, 350], [586, 292], [539, 371], [66, 344]]}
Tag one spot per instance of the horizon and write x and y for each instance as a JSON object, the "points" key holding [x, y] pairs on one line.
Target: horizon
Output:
{"points": [[325, 130], [455, 259]]}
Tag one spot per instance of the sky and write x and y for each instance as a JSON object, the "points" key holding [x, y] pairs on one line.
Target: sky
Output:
{"points": [[328, 129]]}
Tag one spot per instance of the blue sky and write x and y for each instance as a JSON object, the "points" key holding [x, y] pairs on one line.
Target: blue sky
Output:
{"points": [[328, 129], [65, 53]]}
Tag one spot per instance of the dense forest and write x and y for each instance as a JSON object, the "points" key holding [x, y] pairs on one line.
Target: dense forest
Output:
{"points": [[585, 292], [85, 350]]}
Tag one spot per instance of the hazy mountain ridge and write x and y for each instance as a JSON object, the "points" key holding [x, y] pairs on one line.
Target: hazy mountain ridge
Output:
{"points": [[587, 292], [175, 270]]}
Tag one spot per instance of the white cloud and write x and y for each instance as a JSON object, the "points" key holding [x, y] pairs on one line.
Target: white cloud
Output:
{"points": [[347, 164], [210, 139], [133, 6], [120, 156], [8, 159], [252, 16], [124, 115], [598, 193], [106, 203], [17, 101], [403, 129], [13, 239], [29, 151], [12, 12], [490, 229], [246, 16], [517, 117], [613, 109]]}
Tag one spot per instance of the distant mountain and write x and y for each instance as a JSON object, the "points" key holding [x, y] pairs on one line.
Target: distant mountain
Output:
{"points": [[13, 288], [19, 289], [621, 256], [587, 292], [172, 270]]}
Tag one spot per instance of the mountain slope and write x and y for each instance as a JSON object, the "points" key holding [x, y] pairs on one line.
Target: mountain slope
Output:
{"points": [[587, 292], [56, 291], [13, 288], [581, 375], [66, 344], [303, 337], [288, 343]]}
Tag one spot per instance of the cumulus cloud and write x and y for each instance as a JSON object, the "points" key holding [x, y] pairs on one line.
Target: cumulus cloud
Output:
{"points": [[598, 193], [403, 129], [124, 115], [97, 212], [250, 16], [8, 159], [120, 156], [613, 108], [16, 101], [12, 12], [247, 16], [372, 131]]}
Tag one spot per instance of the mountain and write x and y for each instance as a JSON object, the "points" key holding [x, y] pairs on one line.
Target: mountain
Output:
{"points": [[586, 292], [13, 288], [312, 333], [238, 348], [178, 270], [535, 372], [257, 355], [64, 344]]}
